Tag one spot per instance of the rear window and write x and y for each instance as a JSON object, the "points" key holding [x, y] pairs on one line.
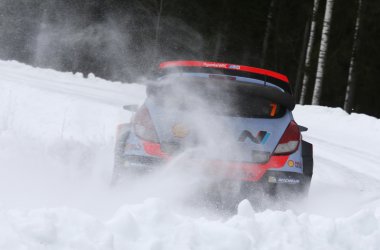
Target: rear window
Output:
{"points": [[211, 98]]}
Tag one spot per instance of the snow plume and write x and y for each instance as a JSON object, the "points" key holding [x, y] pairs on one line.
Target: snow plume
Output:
{"points": [[113, 48], [77, 36], [100, 47], [57, 137], [94, 37], [201, 168]]}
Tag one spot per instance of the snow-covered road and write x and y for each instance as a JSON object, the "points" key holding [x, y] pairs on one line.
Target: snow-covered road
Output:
{"points": [[56, 142]]}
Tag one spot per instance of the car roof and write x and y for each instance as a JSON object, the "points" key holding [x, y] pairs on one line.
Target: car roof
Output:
{"points": [[265, 75]]}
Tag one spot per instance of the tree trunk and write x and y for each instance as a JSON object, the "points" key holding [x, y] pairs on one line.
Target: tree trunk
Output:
{"points": [[309, 50], [218, 44], [158, 22], [157, 32], [268, 31], [222, 31], [301, 62], [351, 82], [322, 53]]}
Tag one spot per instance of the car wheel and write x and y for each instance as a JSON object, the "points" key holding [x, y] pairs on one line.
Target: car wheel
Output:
{"points": [[121, 138]]}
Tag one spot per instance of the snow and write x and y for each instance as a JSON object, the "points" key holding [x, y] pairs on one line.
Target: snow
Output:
{"points": [[56, 141]]}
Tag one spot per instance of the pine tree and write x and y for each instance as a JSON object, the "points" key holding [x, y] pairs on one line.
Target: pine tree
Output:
{"points": [[301, 62], [268, 30]]}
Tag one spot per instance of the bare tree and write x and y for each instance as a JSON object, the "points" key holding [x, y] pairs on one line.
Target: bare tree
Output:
{"points": [[322, 53], [220, 37], [301, 61], [351, 82], [153, 9], [268, 30], [159, 13], [309, 50]]}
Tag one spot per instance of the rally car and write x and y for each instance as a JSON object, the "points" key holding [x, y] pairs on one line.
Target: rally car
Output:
{"points": [[239, 116]]}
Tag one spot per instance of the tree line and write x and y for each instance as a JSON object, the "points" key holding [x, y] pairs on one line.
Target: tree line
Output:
{"points": [[328, 48]]}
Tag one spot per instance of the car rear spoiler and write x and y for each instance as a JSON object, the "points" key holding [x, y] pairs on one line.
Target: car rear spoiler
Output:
{"points": [[273, 77], [268, 92]]}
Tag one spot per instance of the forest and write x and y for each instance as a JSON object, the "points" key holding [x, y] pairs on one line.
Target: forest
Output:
{"points": [[329, 49]]}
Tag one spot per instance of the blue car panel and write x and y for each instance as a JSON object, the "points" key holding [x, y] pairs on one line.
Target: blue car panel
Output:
{"points": [[263, 145]]}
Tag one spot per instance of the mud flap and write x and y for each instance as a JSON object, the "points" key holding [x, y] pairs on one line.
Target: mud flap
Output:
{"points": [[307, 158]]}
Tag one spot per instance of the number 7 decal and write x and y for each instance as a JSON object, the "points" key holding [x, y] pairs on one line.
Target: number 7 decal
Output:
{"points": [[274, 108]]}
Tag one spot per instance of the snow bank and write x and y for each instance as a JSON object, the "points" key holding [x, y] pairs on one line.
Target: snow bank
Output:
{"points": [[68, 116], [346, 158], [57, 136], [52, 105], [52, 229], [153, 225], [56, 143]]}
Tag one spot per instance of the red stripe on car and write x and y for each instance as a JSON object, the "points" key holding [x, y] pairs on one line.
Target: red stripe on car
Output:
{"points": [[238, 170], [249, 171], [202, 64]]}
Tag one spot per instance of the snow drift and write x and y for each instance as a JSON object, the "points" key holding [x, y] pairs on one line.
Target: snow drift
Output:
{"points": [[56, 151]]}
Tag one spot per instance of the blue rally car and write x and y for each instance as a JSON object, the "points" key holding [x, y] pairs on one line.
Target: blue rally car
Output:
{"points": [[238, 116]]}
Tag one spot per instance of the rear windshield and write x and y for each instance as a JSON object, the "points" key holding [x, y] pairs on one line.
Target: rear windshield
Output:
{"points": [[201, 97]]}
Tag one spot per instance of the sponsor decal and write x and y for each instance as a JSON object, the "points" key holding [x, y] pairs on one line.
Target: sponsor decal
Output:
{"points": [[215, 65], [272, 179], [233, 66], [287, 180], [296, 164], [283, 180], [291, 163], [180, 131], [260, 138]]}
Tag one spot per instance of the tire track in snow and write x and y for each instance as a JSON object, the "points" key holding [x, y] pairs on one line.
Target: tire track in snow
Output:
{"points": [[358, 152], [111, 95]]}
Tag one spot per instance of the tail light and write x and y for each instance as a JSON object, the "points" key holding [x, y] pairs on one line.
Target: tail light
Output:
{"points": [[143, 125], [289, 141]]}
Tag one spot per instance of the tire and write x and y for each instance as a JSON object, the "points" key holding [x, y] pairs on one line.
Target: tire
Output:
{"points": [[121, 138], [307, 158], [223, 196], [308, 165]]}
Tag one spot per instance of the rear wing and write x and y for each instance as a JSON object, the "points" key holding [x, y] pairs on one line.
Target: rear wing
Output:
{"points": [[276, 95], [275, 78]]}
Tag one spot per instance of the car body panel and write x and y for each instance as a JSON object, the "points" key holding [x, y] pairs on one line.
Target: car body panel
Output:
{"points": [[166, 120], [246, 137]]}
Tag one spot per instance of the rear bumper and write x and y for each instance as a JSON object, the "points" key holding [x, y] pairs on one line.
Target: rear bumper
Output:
{"points": [[243, 171], [246, 172], [152, 157]]}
